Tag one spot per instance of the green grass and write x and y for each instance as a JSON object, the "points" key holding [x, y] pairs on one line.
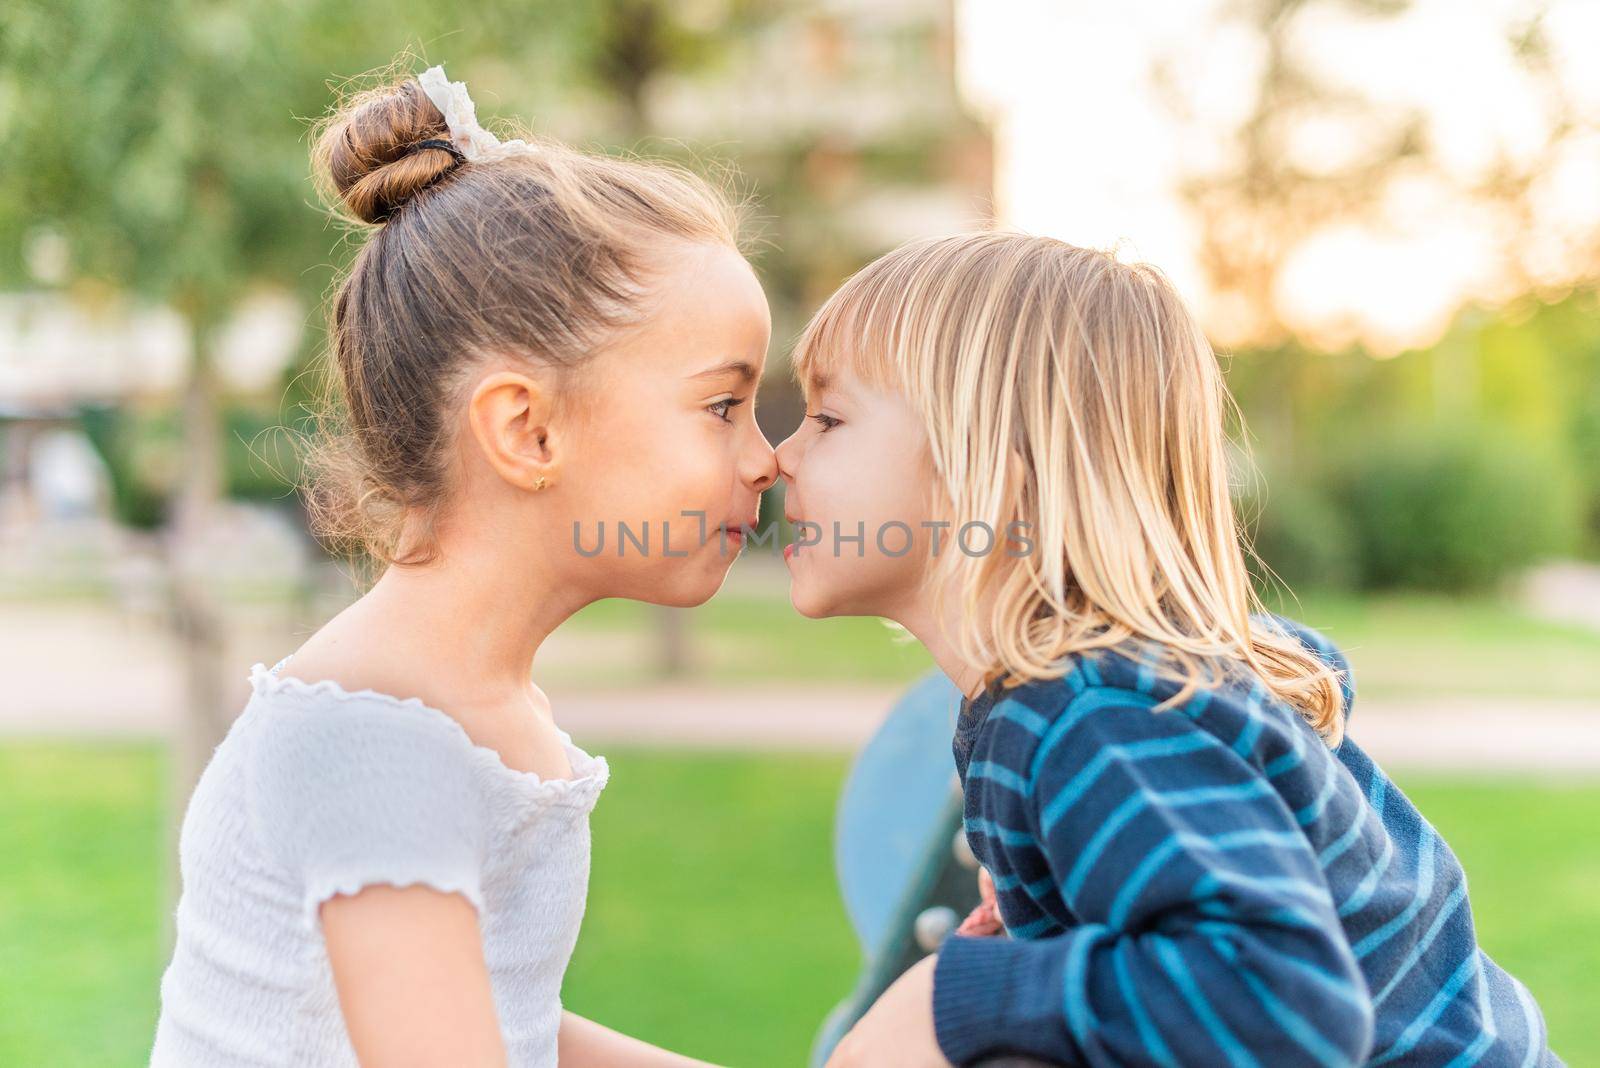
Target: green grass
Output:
{"points": [[713, 925], [80, 834], [1532, 859]]}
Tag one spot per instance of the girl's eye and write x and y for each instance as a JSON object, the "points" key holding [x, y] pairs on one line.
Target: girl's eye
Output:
{"points": [[828, 422], [720, 408]]}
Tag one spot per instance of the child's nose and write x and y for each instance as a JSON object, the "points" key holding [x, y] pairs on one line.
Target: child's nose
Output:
{"points": [[786, 454]]}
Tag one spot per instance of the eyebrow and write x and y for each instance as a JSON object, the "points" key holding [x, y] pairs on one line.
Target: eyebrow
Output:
{"points": [[818, 383], [743, 368]]}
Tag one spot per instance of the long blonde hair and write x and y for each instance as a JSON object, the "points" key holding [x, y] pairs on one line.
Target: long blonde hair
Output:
{"points": [[1069, 391]]}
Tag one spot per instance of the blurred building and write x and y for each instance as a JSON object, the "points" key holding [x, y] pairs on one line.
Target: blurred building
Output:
{"points": [[845, 123], [57, 350], [860, 98], [70, 367]]}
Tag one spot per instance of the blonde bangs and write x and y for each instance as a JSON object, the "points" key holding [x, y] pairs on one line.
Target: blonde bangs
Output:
{"points": [[852, 331]]}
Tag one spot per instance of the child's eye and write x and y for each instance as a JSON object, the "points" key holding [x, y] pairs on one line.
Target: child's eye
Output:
{"points": [[828, 422], [720, 408]]}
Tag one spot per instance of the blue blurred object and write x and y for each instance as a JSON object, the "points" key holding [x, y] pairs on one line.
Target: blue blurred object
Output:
{"points": [[905, 873], [894, 801]]}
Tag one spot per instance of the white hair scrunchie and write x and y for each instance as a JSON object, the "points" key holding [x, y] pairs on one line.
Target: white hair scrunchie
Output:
{"points": [[477, 145]]}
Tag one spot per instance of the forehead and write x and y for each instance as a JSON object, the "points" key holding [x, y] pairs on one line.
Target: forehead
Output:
{"points": [[821, 357], [828, 362], [816, 381], [843, 383], [709, 309]]}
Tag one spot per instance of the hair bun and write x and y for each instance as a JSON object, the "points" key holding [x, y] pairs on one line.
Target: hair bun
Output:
{"points": [[370, 150]]}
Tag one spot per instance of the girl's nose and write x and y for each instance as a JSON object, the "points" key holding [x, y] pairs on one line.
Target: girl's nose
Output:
{"points": [[760, 465]]}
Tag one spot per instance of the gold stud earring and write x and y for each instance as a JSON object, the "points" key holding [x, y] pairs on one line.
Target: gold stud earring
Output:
{"points": [[539, 484]]}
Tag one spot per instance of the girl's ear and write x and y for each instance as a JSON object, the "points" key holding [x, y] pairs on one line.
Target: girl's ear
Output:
{"points": [[510, 416]]}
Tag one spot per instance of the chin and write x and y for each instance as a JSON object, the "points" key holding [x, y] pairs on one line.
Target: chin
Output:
{"points": [[694, 585], [810, 602]]}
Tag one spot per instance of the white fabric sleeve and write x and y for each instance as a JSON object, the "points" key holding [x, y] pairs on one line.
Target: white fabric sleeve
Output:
{"points": [[354, 790]]}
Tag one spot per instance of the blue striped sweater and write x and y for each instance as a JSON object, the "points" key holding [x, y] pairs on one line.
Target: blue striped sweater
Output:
{"points": [[1209, 885]]}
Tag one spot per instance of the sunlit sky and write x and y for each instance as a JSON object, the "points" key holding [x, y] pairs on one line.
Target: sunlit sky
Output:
{"points": [[1086, 151]]}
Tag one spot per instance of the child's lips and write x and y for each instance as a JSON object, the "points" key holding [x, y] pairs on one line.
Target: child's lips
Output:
{"points": [[790, 549]]}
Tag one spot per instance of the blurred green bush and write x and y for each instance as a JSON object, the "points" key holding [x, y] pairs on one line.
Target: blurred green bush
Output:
{"points": [[1454, 510], [143, 455], [1451, 509], [1299, 538], [124, 445]]}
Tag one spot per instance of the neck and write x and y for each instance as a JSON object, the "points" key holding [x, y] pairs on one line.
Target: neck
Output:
{"points": [[478, 610], [919, 617]]}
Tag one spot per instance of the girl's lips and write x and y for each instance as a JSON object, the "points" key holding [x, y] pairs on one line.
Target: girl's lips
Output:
{"points": [[788, 550], [738, 533]]}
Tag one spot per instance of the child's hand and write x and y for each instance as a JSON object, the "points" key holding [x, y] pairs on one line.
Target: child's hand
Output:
{"points": [[985, 918], [897, 1032]]}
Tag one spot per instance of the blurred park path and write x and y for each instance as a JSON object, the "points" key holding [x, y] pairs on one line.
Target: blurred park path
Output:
{"points": [[1568, 592], [85, 669]]}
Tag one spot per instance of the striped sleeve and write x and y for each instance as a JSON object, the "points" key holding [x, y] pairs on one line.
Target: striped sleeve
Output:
{"points": [[1206, 932]]}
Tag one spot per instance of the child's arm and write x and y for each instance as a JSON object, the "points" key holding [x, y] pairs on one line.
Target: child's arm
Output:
{"points": [[1208, 934], [586, 1044], [413, 987]]}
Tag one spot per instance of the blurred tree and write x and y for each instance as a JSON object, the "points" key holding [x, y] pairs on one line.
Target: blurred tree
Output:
{"points": [[1269, 196], [630, 43], [144, 136], [1521, 370], [164, 142], [1255, 211]]}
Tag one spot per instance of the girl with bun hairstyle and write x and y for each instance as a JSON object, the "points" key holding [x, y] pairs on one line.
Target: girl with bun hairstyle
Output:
{"points": [[385, 860]]}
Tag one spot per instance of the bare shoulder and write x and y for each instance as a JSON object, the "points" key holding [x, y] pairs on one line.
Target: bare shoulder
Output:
{"points": [[363, 649], [354, 662]]}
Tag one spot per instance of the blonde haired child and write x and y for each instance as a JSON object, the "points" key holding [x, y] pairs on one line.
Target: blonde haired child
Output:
{"points": [[1194, 863]]}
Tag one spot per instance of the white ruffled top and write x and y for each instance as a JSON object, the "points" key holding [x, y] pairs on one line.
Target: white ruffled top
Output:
{"points": [[316, 791]]}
